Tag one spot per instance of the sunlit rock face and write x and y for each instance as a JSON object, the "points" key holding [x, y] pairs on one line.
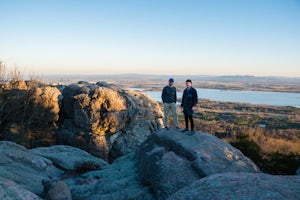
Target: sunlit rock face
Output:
{"points": [[100, 118], [105, 121], [29, 117], [18, 84], [170, 160]]}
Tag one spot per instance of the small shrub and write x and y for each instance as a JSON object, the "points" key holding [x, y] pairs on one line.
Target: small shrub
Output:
{"points": [[272, 163], [248, 147], [3, 73], [15, 74], [279, 163]]}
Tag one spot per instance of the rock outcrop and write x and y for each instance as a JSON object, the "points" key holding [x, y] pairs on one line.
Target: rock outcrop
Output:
{"points": [[250, 186], [18, 84], [29, 117], [101, 119], [105, 121], [169, 160]]}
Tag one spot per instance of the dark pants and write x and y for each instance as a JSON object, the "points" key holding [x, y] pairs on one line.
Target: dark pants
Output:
{"points": [[187, 118]]}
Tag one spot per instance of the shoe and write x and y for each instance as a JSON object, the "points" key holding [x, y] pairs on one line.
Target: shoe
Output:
{"points": [[184, 130], [191, 132], [177, 128], [167, 128]]}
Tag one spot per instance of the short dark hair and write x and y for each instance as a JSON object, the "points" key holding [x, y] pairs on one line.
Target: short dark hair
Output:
{"points": [[188, 80]]}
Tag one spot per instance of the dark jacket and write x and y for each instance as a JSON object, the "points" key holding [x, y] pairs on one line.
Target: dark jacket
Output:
{"points": [[189, 99], [169, 94]]}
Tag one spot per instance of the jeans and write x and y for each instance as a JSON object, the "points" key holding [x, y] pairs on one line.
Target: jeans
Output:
{"points": [[187, 119], [173, 108]]}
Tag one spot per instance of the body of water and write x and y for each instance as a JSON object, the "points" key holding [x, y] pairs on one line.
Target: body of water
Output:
{"points": [[253, 97]]}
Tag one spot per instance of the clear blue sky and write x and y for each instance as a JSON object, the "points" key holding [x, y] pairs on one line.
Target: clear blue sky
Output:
{"points": [[207, 37]]}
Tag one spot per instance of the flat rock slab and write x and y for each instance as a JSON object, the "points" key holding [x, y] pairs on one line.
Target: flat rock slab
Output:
{"points": [[250, 186], [116, 181], [25, 168], [9, 190], [67, 157]]}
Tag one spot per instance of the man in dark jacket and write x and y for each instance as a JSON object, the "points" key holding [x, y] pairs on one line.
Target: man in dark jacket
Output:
{"points": [[189, 101], [169, 98]]}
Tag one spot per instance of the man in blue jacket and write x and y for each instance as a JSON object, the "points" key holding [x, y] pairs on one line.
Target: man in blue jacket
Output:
{"points": [[169, 98], [188, 103]]}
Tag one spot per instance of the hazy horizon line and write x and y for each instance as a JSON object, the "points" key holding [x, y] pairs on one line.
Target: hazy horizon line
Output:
{"points": [[166, 75]]}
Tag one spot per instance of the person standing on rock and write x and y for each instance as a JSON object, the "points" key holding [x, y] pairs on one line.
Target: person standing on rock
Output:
{"points": [[188, 103], [169, 98]]}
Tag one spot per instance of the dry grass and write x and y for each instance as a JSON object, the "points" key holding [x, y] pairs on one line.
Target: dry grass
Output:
{"points": [[225, 121]]}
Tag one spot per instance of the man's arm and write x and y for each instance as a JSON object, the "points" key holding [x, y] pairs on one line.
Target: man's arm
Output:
{"points": [[182, 99], [195, 97], [175, 95], [163, 95]]}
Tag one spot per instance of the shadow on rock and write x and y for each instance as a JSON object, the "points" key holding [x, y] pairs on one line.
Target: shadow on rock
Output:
{"points": [[170, 160]]}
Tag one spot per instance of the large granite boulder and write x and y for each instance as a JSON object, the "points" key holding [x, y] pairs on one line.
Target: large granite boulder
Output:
{"points": [[101, 119], [9, 190], [28, 117], [116, 181], [169, 160], [24, 168], [250, 186], [106, 121]]}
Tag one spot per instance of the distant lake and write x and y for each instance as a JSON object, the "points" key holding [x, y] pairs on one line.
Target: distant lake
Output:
{"points": [[253, 97]]}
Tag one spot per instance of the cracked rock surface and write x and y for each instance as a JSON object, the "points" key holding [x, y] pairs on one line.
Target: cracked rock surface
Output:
{"points": [[190, 158]]}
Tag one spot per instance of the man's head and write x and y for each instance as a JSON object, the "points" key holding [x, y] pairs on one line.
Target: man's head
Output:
{"points": [[188, 83], [171, 81]]}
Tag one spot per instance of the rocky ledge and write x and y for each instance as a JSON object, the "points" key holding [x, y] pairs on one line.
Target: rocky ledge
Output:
{"points": [[168, 165]]}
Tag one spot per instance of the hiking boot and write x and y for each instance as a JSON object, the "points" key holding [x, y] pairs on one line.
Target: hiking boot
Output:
{"points": [[184, 130]]}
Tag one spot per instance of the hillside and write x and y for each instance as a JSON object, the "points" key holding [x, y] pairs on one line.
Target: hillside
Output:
{"points": [[270, 135]]}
